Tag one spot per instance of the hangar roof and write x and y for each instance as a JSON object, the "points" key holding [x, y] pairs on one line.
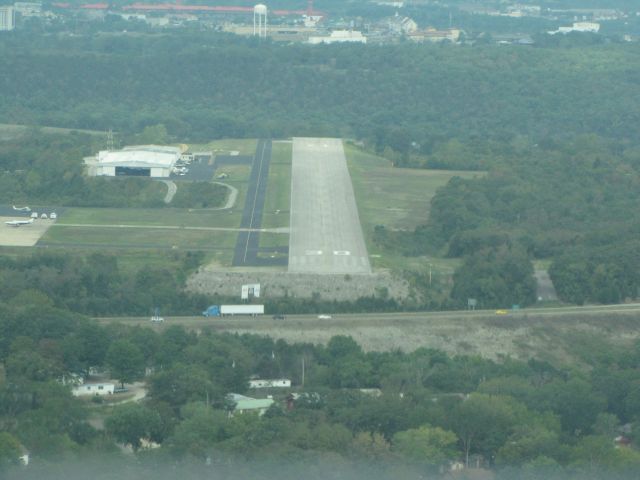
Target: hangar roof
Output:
{"points": [[146, 156]]}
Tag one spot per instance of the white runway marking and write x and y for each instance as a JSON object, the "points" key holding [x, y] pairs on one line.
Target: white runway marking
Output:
{"points": [[324, 215]]}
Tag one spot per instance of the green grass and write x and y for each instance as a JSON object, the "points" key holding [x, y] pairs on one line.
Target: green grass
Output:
{"points": [[397, 198], [246, 146], [150, 246], [149, 216], [139, 238], [269, 239], [278, 197]]}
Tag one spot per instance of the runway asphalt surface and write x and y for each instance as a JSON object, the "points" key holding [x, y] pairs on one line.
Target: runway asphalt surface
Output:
{"points": [[326, 236], [248, 242]]}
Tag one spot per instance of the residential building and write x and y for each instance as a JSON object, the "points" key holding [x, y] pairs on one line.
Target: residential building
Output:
{"points": [[96, 389], [270, 383]]}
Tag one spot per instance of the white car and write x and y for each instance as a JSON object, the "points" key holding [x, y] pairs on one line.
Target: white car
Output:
{"points": [[44, 215], [324, 317], [53, 215]]}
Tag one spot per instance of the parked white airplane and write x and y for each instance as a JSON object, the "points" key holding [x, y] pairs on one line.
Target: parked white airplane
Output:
{"points": [[19, 223], [22, 209]]}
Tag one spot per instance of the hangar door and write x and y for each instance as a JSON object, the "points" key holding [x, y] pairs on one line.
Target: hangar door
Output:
{"points": [[133, 171]]}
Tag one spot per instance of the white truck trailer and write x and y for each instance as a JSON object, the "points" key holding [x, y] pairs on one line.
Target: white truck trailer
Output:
{"points": [[222, 310]]}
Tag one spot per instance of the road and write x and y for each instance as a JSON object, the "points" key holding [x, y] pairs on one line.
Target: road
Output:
{"points": [[550, 334], [172, 189], [376, 318]]}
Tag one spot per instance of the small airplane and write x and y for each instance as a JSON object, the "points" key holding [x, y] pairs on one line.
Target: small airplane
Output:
{"points": [[22, 209], [19, 223]]}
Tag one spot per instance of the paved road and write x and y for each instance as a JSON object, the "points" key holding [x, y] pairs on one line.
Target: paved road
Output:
{"points": [[326, 236], [171, 190], [380, 318], [231, 199]]}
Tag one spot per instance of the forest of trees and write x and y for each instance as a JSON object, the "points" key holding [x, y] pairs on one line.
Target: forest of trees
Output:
{"points": [[553, 126], [430, 100], [431, 408]]}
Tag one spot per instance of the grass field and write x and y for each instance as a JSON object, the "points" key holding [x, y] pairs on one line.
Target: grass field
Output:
{"points": [[139, 238], [278, 197], [397, 198], [269, 239], [130, 242], [149, 216], [246, 146]]}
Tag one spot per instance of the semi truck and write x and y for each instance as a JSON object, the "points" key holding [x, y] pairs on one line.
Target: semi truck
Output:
{"points": [[222, 310]]}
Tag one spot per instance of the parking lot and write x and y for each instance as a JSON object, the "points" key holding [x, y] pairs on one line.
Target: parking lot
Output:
{"points": [[196, 172]]}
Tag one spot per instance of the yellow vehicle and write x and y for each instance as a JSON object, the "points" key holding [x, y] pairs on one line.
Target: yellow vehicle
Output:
{"points": [[501, 312]]}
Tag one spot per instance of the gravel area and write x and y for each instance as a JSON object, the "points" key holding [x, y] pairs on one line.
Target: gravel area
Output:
{"points": [[211, 280]]}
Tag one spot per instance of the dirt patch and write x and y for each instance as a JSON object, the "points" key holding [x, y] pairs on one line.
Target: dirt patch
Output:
{"points": [[211, 280], [561, 340], [23, 236]]}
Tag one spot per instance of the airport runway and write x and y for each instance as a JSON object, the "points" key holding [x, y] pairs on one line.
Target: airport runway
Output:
{"points": [[326, 236]]}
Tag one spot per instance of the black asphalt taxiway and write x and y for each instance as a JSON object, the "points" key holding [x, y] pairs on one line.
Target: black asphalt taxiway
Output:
{"points": [[248, 252]]}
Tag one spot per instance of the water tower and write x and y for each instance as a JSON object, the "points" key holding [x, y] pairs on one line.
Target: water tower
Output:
{"points": [[260, 20]]}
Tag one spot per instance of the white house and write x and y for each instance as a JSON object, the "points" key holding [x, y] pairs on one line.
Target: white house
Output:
{"points": [[93, 389], [270, 383]]}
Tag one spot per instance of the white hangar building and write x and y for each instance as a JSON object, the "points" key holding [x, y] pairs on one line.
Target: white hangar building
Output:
{"points": [[140, 160]]}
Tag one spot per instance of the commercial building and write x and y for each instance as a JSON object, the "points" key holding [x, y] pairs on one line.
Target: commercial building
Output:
{"points": [[142, 160], [583, 27], [433, 35], [7, 19], [340, 36]]}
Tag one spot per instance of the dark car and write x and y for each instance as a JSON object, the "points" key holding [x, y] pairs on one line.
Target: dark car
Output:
{"points": [[278, 317]]}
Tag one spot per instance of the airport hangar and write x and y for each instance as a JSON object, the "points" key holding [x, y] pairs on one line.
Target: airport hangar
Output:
{"points": [[142, 161]]}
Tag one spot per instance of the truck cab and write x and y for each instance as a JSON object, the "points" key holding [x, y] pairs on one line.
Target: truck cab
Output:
{"points": [[212, 311]]}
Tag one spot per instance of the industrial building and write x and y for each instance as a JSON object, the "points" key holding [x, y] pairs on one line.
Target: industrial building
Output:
{"points": [[340, 36], [143, 160]]}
